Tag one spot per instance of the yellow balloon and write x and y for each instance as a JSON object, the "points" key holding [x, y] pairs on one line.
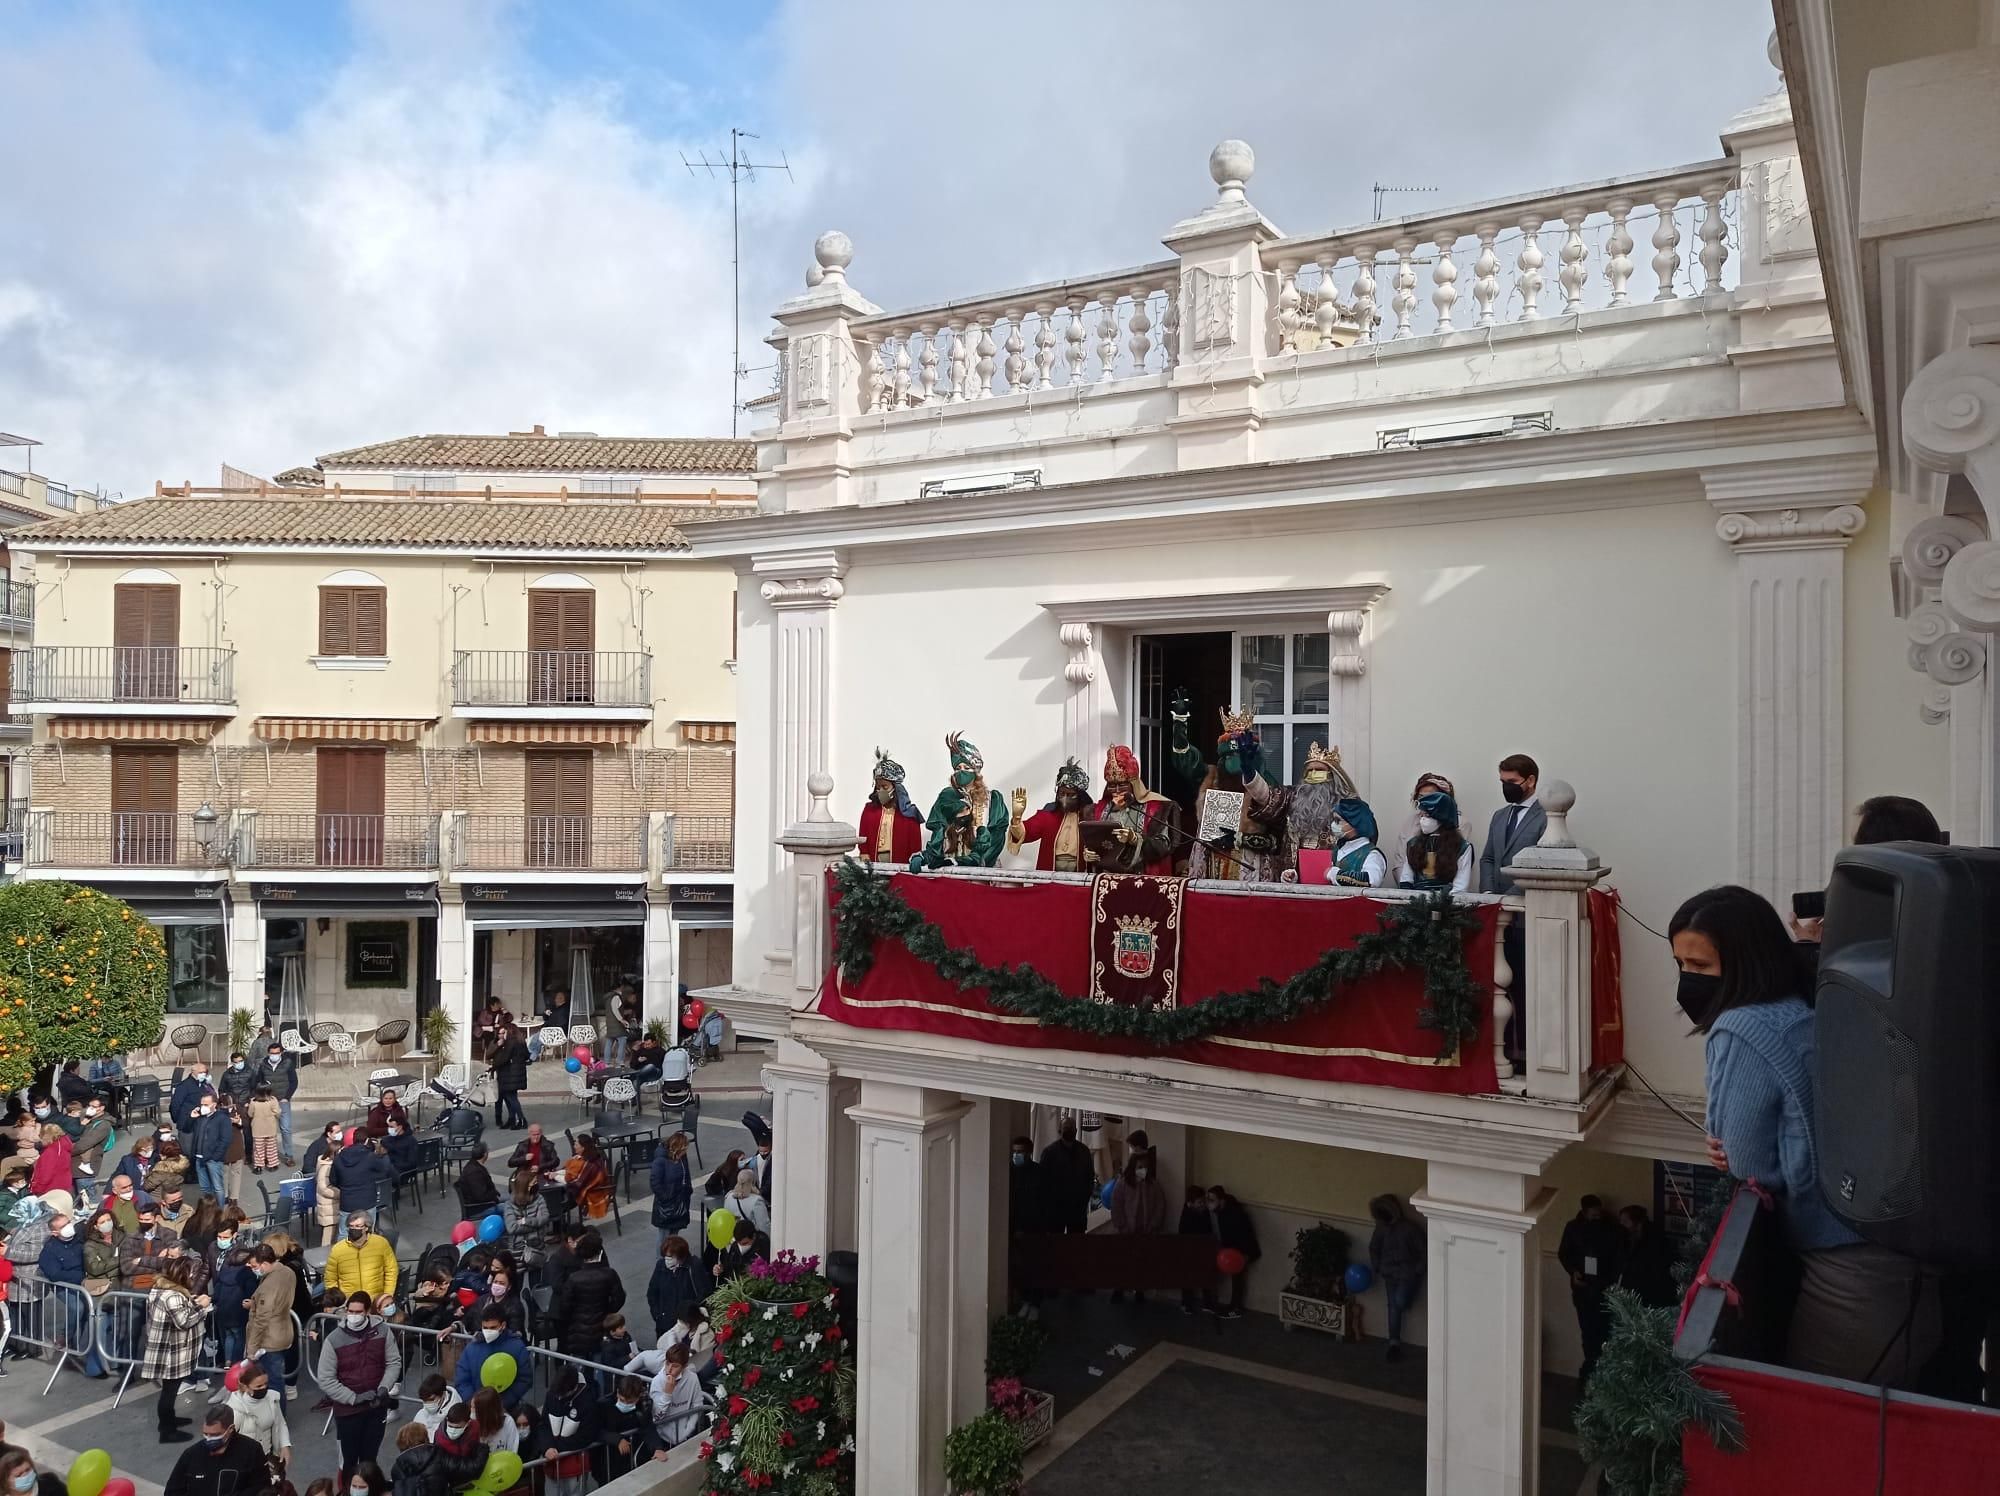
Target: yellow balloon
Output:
{"points": [[498, 1371], [89, 1472], [721, 1228]]}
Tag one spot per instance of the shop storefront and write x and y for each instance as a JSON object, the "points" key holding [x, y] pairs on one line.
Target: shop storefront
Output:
{"points": [[528, 940], [194, 922], [355, 954]]}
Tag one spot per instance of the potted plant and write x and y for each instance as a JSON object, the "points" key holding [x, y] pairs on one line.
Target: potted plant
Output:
{"points": [[983, 1457], [1032, 1412], [656, 1032], [1013, 1346], [242, 1027], [438, 1028], [1316, 1296]]}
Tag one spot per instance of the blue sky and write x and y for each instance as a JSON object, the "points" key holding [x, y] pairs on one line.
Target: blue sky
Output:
{"points": [[253, 232]]}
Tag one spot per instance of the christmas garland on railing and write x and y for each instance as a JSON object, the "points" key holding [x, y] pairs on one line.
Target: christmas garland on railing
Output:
{"points": [[1426, 934]]}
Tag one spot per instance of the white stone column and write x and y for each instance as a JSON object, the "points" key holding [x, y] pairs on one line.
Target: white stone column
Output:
{"points": [[982, 1241], [660, 966], [802, 590], [454, 969], [910, 1324], [1484, 1323], [246, 955], [1788, 525], [1555, 877], [813, 1152]]}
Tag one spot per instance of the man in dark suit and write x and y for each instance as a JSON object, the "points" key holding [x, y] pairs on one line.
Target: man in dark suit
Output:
{"points": [[1516, 826]]}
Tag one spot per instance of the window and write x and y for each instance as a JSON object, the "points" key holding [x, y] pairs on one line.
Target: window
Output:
{"points": [[425, 482], [557, 823], [144, 804], [197, 968], [354, 621], [607, 485], [1285, 681]]}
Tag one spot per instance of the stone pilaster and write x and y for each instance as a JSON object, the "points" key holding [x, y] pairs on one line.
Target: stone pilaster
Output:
{"points": [[1788, 524], [812, 1210], [1555, 877]]}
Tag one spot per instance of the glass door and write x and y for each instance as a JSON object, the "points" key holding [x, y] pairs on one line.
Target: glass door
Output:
{"points": [[1285, 681]]}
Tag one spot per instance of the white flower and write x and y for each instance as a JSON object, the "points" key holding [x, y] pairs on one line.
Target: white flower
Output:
{"points": [[725, 1461], [788, 1374], [822, 1428], [828, 1301], [811, 1342], [744, 1338], [770, 1314]]}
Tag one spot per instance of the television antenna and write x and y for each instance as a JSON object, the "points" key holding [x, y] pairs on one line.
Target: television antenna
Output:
{"points": [[740, 168], [1382, 190]]}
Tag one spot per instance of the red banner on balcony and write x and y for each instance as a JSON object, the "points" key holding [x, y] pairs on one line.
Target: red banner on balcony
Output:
{"points": [[1607, 981], [1368, 1034]]}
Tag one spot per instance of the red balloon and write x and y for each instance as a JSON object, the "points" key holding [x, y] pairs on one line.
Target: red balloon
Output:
{"points": [[118, 1485], [688, 1019], [233, 1378], [463, 1232], [582, 1052], [467, 1297], [695, 1007], [352, 1134], [1230, 1262]]}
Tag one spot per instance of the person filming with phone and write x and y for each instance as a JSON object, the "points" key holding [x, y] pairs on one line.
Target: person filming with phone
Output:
{"points": [[1885, 818]]}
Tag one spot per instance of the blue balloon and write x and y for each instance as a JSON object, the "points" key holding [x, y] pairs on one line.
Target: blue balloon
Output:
{"points": [[572, 1064], [1106, 1196], [491, 1229], [1359, 1277]]}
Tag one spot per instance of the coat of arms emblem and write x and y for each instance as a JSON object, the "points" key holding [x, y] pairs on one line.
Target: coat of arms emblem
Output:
{"points": [[1135, 946]]}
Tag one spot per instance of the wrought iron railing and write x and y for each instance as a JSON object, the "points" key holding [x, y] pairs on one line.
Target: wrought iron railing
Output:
{"points": [[125, 838], [17, 601], [600, 844], [551, 677], [339, 840], [698, 843], [162, 673]]}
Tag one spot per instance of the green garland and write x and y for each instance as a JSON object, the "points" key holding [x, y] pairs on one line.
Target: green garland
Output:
{"points": [[1641, 1399], [1425, 934]]}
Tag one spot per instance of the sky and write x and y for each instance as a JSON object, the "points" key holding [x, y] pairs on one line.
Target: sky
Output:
{"points": [[254, 231]]}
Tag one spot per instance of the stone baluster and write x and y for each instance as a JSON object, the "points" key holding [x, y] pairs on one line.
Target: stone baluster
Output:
{"points": [[1288, 306], [1503, 1004], [1364, 290], [1404, 302], [1486, 274], [983, 386], [927, 368], [1074, 340], [1045, 346], [1529, 281], [878, 372], [1666, 247], [1107, 336], [1444, 279], [1017, 346], [1618, 252], [955, 375], [1170, 325], [1575, 274], [1139, 325], [1714, 251], [899, 385]]}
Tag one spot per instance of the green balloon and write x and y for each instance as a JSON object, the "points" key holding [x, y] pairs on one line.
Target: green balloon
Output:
{"points": [[89, 1472], [498, 1372], [503, 1469], [721, 1229]]}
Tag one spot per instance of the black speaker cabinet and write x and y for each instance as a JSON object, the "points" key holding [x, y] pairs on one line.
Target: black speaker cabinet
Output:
{"points": [[1907, 1087]]}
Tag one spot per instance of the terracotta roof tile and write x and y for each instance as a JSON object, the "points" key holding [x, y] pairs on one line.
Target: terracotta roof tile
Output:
{"points": [[556, 454], [540, 525]]}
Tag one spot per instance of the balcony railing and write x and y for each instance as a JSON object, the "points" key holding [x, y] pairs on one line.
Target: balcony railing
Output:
{"points": [[596, 844], [120, 838], [551, 677], [140, 674], [13, 833], [339, 841], [17, 602], [698, 844]]}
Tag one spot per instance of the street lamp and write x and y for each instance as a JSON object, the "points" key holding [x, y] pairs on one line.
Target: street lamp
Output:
{"points": [[205, 822]]}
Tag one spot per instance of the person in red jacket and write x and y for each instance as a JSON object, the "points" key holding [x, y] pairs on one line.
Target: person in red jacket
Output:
{"points": [[892, 828], [1054, 826], [1155, 821]]}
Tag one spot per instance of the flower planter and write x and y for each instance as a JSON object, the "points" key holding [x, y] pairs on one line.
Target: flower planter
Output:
{"points": [[1334, 1316], [1040, 1421]]}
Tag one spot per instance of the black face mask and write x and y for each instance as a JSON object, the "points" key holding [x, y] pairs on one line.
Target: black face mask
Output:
{"points": [[1513, 791], [1697, 993]]}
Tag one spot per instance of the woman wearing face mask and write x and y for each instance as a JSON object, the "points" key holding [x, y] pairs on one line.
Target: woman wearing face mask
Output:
{"points": [[1863, 1312], [232, 1285], [678, 1280], [359, 1367], [1399, 850], [501, 1294], [367, 1479], [261, 1416], [18, 1476], [174, 1313], [747, 1202], [171, 1167], [1439, 856], [489, 1419], [1138, 1205]]}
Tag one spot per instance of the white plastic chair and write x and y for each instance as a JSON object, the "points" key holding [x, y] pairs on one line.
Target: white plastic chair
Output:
{"points": [[585, 1093], [621, 1093], [294, 1042], [583, 1033], [386, 1072], [343, 1045], [554, 1042], [454, 1075]]}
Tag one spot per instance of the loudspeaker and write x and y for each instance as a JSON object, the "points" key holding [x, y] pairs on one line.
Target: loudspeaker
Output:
{"points": [[1907, 1082]]}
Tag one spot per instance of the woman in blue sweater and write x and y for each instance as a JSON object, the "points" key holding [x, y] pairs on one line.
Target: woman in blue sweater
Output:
{"points": [[1864, 1312]]}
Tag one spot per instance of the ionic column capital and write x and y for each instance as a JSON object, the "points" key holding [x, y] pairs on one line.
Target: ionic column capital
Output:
{"points": [[1802, 504], [1951, 420], [808, 579]]}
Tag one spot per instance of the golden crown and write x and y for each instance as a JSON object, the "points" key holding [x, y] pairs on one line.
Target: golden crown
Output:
{"points": [[1235, 720], [1137, 924], [1323, 758]]}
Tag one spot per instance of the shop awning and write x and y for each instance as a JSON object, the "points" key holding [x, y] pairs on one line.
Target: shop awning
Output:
{"points": [[346, 900], [132, 729], [553, 914], [158, 908], [707, 732], [588, 733], [341, 729]]}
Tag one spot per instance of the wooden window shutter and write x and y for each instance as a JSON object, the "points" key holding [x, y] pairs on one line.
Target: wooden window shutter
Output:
{"points": [[353, 621], [544, 784], [545, 620], [336, 621], [144, 779], [579, 625], [575, 790], [163, 625], [371, 621], [144, 614]]}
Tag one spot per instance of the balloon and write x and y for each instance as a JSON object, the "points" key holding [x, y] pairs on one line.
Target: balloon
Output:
{"points": [[582, 1053], [491, 1229], [353, 1133], [89, 1472], [1229, 1262], [503, 1466], [572, 1064], [233, 1378], [688, 1020], [498, 1372], [466, 1297], [462, 1233], [721, 1228], [1359, 1276], [695, 1008], [118, 1486], [1106, 1195]]}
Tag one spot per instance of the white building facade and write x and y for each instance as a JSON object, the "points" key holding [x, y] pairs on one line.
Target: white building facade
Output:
{"points": [[1574, 474]]}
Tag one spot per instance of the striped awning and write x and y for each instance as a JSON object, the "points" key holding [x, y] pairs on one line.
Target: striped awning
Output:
{"points": [[591, 733], [340, 729], [132, 729], [707, 732]]}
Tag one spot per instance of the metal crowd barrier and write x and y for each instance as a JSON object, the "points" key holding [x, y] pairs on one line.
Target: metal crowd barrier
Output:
{"points": [[53, 1318], [121, 1341]]}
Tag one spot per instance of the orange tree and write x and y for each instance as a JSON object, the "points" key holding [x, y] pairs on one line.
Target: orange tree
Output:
{"points": [[81, 975]]}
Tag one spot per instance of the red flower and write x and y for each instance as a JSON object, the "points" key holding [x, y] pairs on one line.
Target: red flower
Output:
{"points": [[805, 1404], [778, 1344], [707, 1449], [833, 1332], [738, 1407], [724, 1335], [800, 1311], [722, 1428], [826, 1367], [753, 1376], [785, 1439], [829, 1457]]}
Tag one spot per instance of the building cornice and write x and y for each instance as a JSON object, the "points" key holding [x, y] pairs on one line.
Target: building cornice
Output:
{"points": [[126, 548], [1217, 607]]}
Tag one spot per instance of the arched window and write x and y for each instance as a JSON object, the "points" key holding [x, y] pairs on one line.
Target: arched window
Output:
{"points": [[353, 616]]}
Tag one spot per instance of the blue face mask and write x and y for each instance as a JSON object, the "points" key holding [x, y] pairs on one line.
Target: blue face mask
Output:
{"points": [[215, 1441], [25, 1481]]}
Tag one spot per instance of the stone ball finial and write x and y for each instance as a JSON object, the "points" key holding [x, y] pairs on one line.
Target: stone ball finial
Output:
{"points": [[1231, 164], [819, 784], [814, 275], [1775, 53], [835, 252], [1557, 796]]}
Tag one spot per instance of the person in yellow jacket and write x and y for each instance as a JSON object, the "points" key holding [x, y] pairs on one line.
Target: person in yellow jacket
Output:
{"points": [[363, 1263]]}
